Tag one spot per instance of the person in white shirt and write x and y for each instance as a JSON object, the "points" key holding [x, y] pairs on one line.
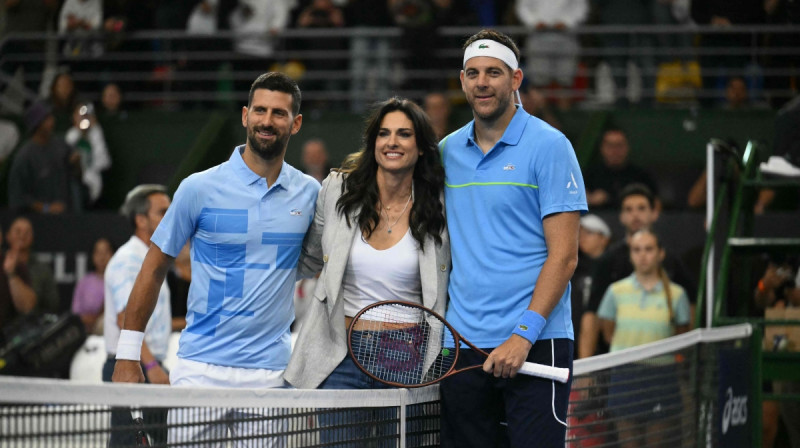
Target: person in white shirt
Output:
{"points": [[144, 207]]}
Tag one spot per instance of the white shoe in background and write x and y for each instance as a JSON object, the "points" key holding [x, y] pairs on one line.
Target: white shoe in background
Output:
{"points": [[779, 166]]}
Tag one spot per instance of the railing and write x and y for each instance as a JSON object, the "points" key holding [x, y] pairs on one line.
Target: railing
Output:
{"points": [[348, 68]]}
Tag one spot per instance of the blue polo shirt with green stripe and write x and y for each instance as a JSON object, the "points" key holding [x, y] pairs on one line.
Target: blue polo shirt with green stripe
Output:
{"points": [[495, 204]]}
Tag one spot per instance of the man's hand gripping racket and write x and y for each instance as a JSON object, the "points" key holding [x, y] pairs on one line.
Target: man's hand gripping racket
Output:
{"points": [[401, 344]]}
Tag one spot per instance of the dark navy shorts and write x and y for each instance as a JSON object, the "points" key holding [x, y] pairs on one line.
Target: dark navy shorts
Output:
{"points": [[479, 410]]}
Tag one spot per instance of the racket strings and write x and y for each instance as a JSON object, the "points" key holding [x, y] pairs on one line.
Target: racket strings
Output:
{"points": [[401, 344]]}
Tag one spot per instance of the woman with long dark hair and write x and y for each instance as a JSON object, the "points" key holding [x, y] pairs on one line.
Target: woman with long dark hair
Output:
{"points": [[379, 233]]}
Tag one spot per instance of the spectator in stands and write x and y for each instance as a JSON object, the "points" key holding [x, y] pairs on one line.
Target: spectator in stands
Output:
{"points": [[719, 65], [88, 297], [641, 308], [111, 102], [9, 138], [315, 159], [45, 168], [257, 24], [623, 47], [437, 106], [78, 19], [606, 179], [534, 103], [86, 136], [20, 244], [144, 207], [779, 287], [17, 297], [62, 99], [25, 16], [736, 97], [322, 14], [786, 159], [782, 13], [551, 49], [593, 240], [638, 211]]}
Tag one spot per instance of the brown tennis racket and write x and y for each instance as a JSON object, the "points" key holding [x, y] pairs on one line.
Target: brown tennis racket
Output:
{"points": [[402, 344]]}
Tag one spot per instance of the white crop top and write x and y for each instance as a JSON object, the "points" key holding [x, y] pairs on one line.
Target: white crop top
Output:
{"points": [[373, 275]]}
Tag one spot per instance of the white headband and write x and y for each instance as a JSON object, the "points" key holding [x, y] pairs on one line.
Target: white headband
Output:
{"points": [[492, 49]]}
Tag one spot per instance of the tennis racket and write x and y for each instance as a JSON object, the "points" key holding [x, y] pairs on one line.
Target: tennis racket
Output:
{"points": [[402, 344], [142, 438]]}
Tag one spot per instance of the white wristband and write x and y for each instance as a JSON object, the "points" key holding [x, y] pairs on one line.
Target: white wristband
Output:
{"points": [[130, 345]]}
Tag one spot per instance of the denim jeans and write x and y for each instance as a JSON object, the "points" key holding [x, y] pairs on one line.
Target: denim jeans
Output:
{"points": [[357, 427]]}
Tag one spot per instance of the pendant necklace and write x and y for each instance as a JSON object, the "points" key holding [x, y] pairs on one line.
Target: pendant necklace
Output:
{"points": [[389, 226]]}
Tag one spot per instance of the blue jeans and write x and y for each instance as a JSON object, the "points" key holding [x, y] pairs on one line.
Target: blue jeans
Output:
{"points": [[357, 427]]}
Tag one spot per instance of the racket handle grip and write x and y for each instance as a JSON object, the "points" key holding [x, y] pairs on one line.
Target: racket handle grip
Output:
{"points": [[559, 374]]}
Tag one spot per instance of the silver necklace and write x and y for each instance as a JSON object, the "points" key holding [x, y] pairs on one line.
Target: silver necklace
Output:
{"points": [[389, 226]]}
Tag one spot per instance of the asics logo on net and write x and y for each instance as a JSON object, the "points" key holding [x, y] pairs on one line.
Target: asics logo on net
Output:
{"points": [[735, 411]]}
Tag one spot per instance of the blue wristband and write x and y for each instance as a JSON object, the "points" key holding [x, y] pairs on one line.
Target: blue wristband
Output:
{"points": [[530, 325]]}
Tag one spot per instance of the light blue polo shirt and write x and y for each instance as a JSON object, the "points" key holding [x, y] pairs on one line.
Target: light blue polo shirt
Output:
{"points": [[495, 205], [246, 241]]}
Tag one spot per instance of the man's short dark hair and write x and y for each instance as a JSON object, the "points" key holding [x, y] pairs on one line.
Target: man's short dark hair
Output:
{"points": [[137, 202], [638, 189], [278, 82], [615, 129], [495, 36]]}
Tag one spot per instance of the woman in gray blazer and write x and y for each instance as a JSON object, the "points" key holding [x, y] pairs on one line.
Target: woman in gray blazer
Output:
{"points": [[379, 233]]}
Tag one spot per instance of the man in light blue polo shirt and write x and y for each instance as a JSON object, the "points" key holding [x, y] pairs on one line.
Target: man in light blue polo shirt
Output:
{"points": [[246, 220], [514, 194]]}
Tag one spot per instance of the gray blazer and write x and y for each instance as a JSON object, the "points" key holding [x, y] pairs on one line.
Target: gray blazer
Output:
{"points": [[322, 342]]}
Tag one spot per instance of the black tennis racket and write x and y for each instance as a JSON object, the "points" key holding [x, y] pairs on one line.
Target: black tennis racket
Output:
{"points": [[402, 344], [142, 438]]}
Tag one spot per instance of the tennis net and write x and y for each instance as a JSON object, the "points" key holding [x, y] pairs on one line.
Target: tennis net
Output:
{"points": [[678, 391]]}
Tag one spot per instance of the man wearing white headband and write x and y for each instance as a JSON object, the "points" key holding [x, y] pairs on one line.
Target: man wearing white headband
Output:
{"points": [[514, 195]]}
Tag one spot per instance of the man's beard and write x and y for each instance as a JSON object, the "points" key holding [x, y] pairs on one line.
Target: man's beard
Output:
{"points": [[502, 105], [267, 151]]}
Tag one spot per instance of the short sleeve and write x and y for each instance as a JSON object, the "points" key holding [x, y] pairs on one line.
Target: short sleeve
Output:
{"points": [[180, 221], [120, 278], [608, 306], [681, 309], [559, 178]]}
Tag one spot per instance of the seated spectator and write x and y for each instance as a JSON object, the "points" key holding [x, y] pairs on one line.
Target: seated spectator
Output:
{"points": [[111, 101], [86, 136], [736, 97], [534, 103], [88, 297], [551, 50], [779, 287], [62, 97], [641, 308], [9, 138], [315, 159], [593, 239], [17, 297], [20, 242], [638, 211], [437, 106], [78, 19], [606, 179], [45, 168]]}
